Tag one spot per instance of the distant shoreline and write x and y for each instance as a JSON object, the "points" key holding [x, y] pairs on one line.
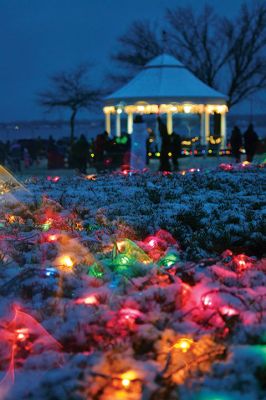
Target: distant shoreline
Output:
{"points": [[92, 127]]}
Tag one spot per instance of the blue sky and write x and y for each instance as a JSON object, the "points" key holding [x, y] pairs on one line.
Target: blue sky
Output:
{"points": [[40, 37]]}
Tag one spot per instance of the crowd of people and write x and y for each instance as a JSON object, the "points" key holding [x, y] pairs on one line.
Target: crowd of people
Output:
{"points": [[129, 151], [249, 141]]}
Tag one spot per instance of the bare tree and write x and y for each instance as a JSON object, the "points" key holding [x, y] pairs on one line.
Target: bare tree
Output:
{"points": [[136, 47], [247, 62], [70, 90], [225, 53], [197, 41]]}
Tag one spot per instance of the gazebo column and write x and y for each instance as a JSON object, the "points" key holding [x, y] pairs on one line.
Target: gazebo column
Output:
{"points": [[204, 128], [118, 124], [130, 123], [108, 123], [223, 130], [169, 122]]}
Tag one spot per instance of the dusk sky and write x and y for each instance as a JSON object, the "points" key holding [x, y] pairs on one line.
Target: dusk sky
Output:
{"points": [[41, 37]]}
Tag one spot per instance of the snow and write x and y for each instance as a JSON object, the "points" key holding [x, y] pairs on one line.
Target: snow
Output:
{"points": [[155, 259]]}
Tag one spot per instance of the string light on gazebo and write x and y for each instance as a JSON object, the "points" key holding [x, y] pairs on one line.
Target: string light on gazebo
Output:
{"points": [[165, 86]]}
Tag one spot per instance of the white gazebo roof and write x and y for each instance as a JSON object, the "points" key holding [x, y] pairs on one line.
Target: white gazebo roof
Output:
{"points": [[165, 80]]}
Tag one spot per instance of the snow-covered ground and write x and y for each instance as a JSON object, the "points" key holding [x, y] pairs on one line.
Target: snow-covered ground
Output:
{"points": [[135, 286]]}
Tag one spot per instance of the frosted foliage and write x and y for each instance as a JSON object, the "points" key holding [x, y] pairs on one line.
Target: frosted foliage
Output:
{"points": [[133, 287]]}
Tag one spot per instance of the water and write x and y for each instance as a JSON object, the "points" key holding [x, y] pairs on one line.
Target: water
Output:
{"points": [[43, 129], [58, 129]]}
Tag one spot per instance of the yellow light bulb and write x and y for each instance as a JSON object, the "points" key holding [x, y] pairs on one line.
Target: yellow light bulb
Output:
{"points": [[126, 383], [183, 344], [187, 108], [65, 261], [127, 378]]}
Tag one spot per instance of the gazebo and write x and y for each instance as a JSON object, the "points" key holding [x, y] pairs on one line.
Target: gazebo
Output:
{"points": [[166, 86]]}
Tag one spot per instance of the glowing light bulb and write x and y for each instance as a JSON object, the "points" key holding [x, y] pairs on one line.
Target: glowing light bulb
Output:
{"points": [[65, 261], [152, 242], [120, 245], [183, 344], [22, 334], [91, 177], [95, 271], [126, 383], [11, 219], [207, 301], [89, 300], [130, 313], [187, 108], [242, 262], [53, 178], [226, 167], [127, 378], [124, 260], [47, 225], [229, 311], [52, 238], [21, 337], [221, 109], [169, 260], [49, 272]]}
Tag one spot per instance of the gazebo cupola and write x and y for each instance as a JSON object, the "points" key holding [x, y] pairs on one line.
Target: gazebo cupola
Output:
{"points": [[166, 86]]}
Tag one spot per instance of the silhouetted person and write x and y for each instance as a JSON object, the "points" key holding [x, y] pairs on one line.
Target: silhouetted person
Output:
{"points": [[26, 157], [52, 154], [99, 145], [175, 149], [80, 154], [15, 155], [236, 143], [250, 142], [165, 146], [2, 153]]}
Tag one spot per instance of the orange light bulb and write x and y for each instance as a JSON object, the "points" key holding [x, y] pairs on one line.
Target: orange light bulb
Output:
{"points": [[183, 344], [126, 383], [128, 377], [65, 261]]}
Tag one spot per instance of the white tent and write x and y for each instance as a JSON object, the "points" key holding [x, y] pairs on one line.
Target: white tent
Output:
{"points": [[166, 86]]}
